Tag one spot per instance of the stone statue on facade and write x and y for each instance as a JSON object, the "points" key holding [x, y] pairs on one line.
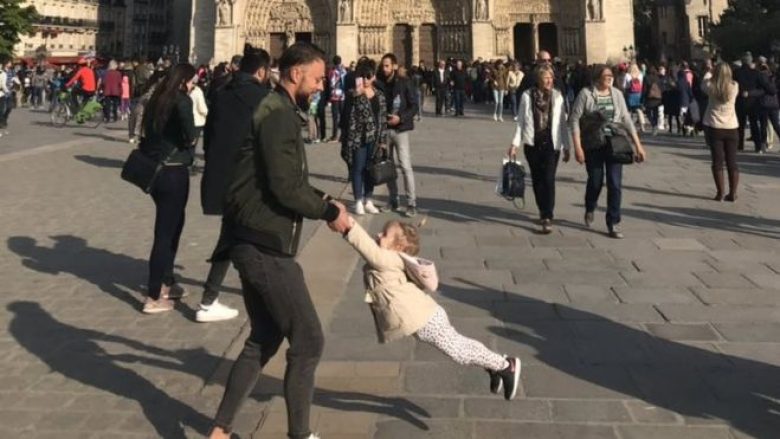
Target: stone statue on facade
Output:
{"points": [[224, 12], [594, 10], [481, 10], [345, 11], [289, 36]]}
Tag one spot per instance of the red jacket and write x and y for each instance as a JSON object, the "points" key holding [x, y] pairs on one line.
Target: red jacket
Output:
{"points": [[112, 83], [87, 77]]}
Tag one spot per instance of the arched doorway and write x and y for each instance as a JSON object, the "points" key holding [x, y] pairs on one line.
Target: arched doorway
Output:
{"points": [[524, 42], [428, 47], [276, 24], [548, 38], [402, 44]]}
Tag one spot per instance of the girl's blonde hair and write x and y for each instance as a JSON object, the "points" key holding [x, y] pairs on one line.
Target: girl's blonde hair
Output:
{"points": [[634, 71], [410, 242], [722, 82]]}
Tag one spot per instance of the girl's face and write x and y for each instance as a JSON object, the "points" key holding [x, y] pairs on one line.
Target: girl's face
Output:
{"points": [[546, 82], [607, 78], [391, 237]]}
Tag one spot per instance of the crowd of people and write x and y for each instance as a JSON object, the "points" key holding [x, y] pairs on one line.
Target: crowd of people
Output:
{"points": [[250, 115]]}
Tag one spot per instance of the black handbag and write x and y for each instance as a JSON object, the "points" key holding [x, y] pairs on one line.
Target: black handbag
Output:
{"points": [[382, 169], [592, 126], [141, 170], [619, 145]]}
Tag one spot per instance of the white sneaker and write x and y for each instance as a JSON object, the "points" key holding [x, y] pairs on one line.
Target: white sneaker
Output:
{"points": [[515, 118], [501, 119], [495, 117], [370, 208], [216, 312], [314, 436], [359, 208]]}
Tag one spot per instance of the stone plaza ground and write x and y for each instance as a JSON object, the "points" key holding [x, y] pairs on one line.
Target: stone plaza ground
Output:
{"points": [[673, 332]]}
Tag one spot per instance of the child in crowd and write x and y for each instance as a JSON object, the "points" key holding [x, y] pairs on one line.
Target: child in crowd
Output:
{"points": [[401, 308], [124, 108]]}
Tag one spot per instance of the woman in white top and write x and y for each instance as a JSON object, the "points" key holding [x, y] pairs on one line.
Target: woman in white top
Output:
{"points": [[514, 79], [721, 128], [199, 111], [542, 130]]}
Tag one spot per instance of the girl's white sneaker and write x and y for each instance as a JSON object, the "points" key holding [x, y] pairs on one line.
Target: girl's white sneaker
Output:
{"points": [[370, 208], [359, 208]]}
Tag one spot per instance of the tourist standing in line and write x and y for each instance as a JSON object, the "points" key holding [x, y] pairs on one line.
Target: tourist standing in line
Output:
{"points": [[228, 125], [112, 92], [441, 84], [337, 94], [748, 101], [268, 198], [498, 80], [652, 96], [401, 107], [514, 79], [721, 127], [542, 131], [604, 98], [459, 78], [169, 136]]}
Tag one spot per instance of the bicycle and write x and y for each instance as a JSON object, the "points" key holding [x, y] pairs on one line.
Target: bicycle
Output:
{"points": [[90, 113]]}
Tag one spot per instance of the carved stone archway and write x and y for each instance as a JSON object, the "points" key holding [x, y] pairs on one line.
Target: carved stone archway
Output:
{"points": [[266, 20]]}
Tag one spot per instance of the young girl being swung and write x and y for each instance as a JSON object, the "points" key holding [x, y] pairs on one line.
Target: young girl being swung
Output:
{"points": [[400, 308]]}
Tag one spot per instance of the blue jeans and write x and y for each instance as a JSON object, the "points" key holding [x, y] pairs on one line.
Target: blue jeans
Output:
{"points": [[362, 186], [498, 97], [459, 96], [597, 163]]}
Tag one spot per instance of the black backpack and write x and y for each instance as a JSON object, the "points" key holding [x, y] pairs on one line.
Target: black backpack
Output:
{"points": [[513, 181]]}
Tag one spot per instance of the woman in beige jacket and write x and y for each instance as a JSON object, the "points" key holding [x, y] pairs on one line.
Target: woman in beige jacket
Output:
{"points": [[401, 308]]}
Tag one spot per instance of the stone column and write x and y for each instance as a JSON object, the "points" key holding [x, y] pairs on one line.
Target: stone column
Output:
{"points": [[415, 45], [535, 33]]}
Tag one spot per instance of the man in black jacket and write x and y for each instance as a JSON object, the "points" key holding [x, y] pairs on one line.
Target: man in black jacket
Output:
{"points": [[441, 84], [401, 107], [267, 200], [228, 126], [751, 88], [458, 79]]}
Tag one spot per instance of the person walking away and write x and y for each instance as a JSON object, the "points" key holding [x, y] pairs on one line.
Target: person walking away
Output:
{"points": [[337, 90], [459, 79], [169, 136], [124, 107], [321, 112], [604, 98], [38, 86], [418, 81], [401, 108], [112, 92], [401, 308], [441, 84], [748, 102], [268, 198], [671, 102], [367, 133], [498, 80], [228, 126], [721, 127], [543, 133], [652, 96], [514, 78], [634, 89], [685, 92]]}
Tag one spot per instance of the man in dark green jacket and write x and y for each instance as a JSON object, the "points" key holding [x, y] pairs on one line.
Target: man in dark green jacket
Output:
{"points": [[267, 200]]}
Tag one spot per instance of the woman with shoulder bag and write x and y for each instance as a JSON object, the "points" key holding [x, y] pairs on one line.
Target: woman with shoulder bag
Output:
{"points": [[169, 137], [605, 99], [366, 133], [721, 127], [542, 130]]}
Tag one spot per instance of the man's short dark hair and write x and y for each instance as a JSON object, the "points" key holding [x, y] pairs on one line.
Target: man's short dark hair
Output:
{"points": [[336, 60], [391, 57], [299, 54], [254, 59]]}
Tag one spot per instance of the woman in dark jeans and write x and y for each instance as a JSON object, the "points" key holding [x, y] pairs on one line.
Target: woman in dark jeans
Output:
{"points": [[366, 133], [169, 136], [721, 128], [604, 98]]}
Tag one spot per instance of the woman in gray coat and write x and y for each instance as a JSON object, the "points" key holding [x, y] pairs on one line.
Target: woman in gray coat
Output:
{"points": [[603, 98]]}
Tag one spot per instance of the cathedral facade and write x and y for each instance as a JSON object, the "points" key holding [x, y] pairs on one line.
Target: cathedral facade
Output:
{"points": [[416, 30]]}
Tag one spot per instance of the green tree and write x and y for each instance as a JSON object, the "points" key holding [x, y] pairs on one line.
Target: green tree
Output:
{"points": [[747, 25], [15, 20]]}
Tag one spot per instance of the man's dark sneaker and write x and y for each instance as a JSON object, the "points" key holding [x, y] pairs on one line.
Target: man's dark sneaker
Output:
{"points": [[495, 382], [393, 206], [510, 378], [176, 292], [411, 212]]}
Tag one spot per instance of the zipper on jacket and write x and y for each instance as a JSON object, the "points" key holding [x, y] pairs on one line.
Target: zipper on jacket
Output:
{"points": [[292, 235]]}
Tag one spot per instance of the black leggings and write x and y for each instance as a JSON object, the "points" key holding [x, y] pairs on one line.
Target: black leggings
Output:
{"points": [[543, 161], [279, 306], [170, 193], [723, 147]]}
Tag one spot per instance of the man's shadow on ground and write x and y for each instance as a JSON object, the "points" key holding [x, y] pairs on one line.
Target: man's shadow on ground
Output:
{"points": [[113, 273], [77, 354], [682, 378]]}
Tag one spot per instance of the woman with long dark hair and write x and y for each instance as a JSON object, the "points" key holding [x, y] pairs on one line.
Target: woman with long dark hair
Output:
{"points": [[169, 136]]}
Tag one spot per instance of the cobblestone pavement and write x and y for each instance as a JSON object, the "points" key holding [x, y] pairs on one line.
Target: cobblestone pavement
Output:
{"points": [[673, 332]]}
